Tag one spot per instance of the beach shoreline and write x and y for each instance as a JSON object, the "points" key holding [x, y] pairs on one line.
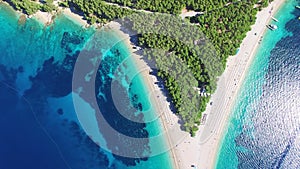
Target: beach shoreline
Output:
{"points": [[150, 81], [237, 67], [275, 7], [47, 18]]}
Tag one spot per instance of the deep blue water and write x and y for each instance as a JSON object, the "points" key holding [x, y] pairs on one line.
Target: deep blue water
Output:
{"points": [[265, 126], [39, 125]]}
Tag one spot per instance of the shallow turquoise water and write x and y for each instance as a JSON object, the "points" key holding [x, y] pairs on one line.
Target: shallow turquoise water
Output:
{"points": [[37, 97], [252, 140]]}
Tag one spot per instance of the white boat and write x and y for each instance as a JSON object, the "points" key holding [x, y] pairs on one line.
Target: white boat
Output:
{"points": [[274, 19], [272, 27]]}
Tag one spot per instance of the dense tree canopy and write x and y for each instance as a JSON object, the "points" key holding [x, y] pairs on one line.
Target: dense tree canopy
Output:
{"points": [[99, 11], [27, 6], [176, 6], [185, 58], [31, 7]]}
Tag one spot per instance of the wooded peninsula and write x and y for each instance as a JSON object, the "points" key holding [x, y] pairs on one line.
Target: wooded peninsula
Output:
{"points": [[224, 24]]}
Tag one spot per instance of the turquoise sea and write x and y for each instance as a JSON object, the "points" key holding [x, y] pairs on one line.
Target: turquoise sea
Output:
{"points": [[264, 130], [48, 121]]}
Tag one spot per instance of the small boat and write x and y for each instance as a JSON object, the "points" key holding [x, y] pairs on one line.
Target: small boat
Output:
{"points": [[299, 17], [274, 19], [298, 7], [272, 27]]}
